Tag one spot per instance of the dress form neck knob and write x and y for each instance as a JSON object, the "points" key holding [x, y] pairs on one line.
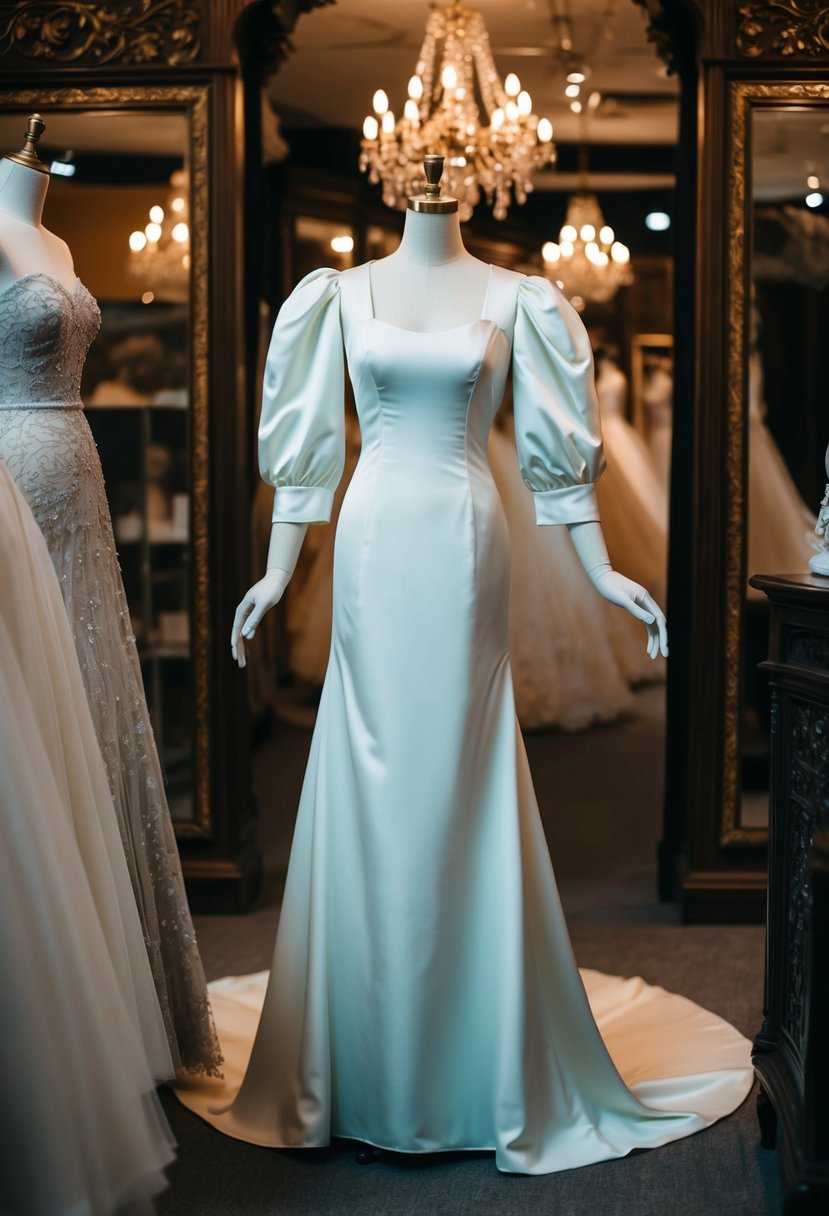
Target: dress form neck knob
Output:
{"points": [[431, 201], [28, 153]]}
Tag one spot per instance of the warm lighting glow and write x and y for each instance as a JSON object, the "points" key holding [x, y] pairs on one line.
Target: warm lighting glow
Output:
{"points": [[138, 240], [550, 251], [813, 182], [153, 233], [371, 127], [815, 199], [177, 204], [572, 90], [342, 244], [576, 107], [159, 258], [180, 233], [657, 221], [459, 108], [593, 100], [157, 214], [588, 271], [148, 297], [578, 75]]}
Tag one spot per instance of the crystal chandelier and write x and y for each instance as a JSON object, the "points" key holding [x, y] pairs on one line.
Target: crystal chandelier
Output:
{"points": [[493, 151], [588, 263], [159, 258]]}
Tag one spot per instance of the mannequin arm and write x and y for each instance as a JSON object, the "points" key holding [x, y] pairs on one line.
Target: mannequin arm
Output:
{"points": [[589, 544], [283, 551]]}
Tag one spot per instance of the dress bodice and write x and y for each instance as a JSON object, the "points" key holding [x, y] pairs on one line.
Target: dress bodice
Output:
{"points": [[45, 333], [426, 400]]}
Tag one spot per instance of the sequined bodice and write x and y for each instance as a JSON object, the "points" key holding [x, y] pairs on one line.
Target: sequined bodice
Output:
{"points": [[45, 333]]}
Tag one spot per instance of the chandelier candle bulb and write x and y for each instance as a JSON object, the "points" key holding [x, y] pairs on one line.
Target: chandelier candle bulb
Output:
{"points": [[544, 130], [572, 90], [156, 214], [525, 103], [153, 232], [512, 111], [607, 236], [388, 123], [449, 77], [371, 128], [512, 85], [410, 111], [380, 102], [588, 232], [550, 251], [415, 88]]}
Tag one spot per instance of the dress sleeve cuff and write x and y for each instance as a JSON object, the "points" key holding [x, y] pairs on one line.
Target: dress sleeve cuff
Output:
{"points": [[567, 505], [302, 504]]}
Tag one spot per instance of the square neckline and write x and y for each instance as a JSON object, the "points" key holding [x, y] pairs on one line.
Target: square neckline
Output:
{"points": [[429, 332]]}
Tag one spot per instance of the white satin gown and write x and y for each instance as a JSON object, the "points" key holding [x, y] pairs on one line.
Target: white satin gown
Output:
{"points": [[424, 994]]}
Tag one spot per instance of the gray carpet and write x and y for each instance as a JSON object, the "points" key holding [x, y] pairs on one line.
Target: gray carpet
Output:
{"points": [[600, 793]]}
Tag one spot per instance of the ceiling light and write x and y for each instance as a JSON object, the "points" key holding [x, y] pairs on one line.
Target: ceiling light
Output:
{"points": [[815, 199], [62, 168], [572, 90], [813, 182], [578, 74], [657, 221]]}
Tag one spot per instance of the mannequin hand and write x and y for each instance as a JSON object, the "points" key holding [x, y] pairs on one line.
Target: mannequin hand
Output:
{"points": [[262, 596], [635, 600]]}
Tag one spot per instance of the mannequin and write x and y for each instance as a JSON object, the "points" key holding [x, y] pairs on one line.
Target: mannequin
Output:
{"points": [[431, 283], [48, 319], [26, 247], [423, 995]]}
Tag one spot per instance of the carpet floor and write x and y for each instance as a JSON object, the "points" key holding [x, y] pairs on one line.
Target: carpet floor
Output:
{"points": [[600, 793]]}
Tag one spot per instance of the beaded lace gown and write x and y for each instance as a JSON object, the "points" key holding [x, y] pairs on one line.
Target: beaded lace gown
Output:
{"points": [[424, 994], [45, 333]]}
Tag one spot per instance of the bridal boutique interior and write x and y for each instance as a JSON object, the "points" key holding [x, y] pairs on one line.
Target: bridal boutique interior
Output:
{"points": [[651, 175]]}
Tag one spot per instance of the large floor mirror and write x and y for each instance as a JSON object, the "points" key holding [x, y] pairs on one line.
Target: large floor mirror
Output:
{"points": [[122, 194], [778, 387]]}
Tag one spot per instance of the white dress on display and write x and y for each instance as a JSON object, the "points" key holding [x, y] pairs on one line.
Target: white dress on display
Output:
{"points": [[634, 509], [424, 994], [83, 1038], [658, 397], [45, 332], [781, 528], [564, 668]]}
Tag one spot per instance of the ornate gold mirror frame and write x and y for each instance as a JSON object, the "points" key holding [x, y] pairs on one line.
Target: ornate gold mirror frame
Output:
{"points": [[192, 101], [745, 98]]}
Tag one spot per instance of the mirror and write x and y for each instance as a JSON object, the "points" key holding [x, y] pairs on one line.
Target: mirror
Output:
{"points": [[120, 195], [785, 379]]}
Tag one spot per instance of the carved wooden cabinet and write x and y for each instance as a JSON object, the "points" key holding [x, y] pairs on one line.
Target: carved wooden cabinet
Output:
{"points": [[790, 1052]]}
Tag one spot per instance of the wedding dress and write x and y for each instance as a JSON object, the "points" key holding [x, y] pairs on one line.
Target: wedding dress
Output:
{"points": [[781, 528], [423, 994], [564, 668], [83, 1038], [45, 332]]}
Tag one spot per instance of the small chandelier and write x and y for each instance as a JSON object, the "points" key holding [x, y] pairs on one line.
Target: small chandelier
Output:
{"points": [[494, 151], [588, 263], [159, 258]]}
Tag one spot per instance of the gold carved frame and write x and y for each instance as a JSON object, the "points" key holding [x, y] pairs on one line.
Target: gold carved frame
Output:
{"points": [[745, 96], [194, 101]]}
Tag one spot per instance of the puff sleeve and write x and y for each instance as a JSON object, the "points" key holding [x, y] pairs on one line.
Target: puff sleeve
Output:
{"points": [[302, 426], [557, 428]]}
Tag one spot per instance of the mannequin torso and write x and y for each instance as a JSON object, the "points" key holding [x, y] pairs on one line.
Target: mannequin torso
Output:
{"points": [[26, 247], [430, 282]]}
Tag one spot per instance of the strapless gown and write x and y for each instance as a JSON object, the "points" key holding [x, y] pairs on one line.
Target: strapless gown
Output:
{"points": [[83, 1040], [45, 333], [424, 994]]}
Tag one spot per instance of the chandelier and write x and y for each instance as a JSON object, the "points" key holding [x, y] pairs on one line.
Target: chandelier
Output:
{"points": [[159, 258], [493, 151], [588, 263]]}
